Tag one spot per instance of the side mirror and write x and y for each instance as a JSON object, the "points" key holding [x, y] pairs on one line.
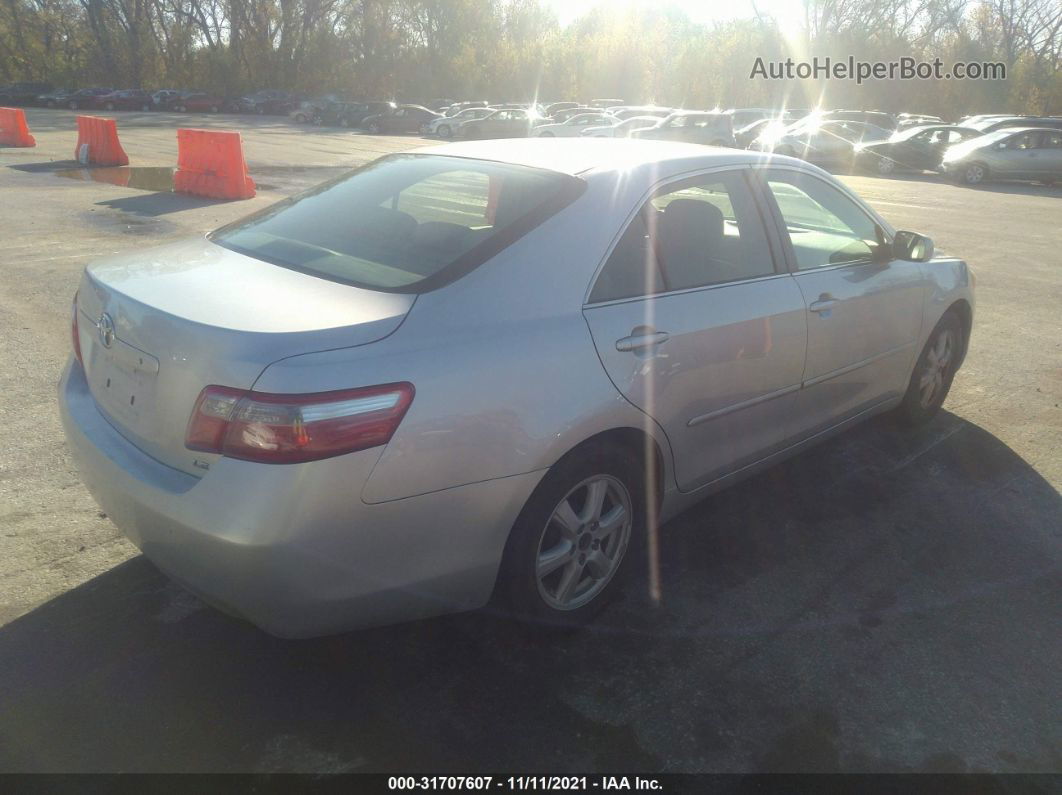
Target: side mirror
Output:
{"points": [[912, 247]]}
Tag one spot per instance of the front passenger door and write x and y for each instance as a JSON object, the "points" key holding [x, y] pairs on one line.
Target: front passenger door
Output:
{"points": [[864, 308]]}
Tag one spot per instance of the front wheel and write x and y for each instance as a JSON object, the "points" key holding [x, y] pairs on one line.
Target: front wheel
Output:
{"points": [[933, 373], [374, 128], [975, 174], [445, 131], [571, 545], [886, 166]]}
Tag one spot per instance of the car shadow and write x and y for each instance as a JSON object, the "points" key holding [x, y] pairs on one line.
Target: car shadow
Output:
{"points": [[161, 203], [878, 603], [1001, 186]]}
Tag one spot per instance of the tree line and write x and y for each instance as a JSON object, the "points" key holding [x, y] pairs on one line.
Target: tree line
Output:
{"points": [[515, 50]]}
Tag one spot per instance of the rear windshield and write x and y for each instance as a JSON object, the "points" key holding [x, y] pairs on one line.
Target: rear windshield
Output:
{"points": [[405, 223]]}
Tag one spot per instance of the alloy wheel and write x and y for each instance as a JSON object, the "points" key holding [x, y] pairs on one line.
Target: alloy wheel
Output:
{"points": [[886, 166], [975, 174], [934, 375], [583, 543]]}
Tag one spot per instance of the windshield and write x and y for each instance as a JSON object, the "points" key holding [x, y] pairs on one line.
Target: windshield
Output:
{"points": [[405, 223]]}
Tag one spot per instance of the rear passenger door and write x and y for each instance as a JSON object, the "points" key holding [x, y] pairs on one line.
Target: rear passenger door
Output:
{"points": [[698, 328]]}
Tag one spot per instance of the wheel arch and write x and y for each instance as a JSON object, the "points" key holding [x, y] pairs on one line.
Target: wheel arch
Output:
{"points": [[962, 308]]}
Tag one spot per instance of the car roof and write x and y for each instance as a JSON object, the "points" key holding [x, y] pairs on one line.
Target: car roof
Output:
{"points": [[576, 156]]}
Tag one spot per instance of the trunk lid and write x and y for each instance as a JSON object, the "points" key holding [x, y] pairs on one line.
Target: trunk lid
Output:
{"points": [[157, 326]]}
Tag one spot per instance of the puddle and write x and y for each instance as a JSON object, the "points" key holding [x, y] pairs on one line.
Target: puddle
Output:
{"points": [[155, 178]]}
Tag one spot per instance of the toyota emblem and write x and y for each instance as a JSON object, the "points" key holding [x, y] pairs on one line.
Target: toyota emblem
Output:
{"points": [[105, 328]]}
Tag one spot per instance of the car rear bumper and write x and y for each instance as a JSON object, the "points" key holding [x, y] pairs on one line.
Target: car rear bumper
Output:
{"points": [[293, 548]]}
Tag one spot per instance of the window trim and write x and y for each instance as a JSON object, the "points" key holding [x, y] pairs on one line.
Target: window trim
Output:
{"points": [[760, 176], [744, 171]]}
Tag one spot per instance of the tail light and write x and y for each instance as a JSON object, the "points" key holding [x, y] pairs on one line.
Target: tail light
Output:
{"points": [[288, 429], [74, 330]]}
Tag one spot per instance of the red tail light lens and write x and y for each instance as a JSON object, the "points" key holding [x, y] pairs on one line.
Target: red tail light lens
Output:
{"points": [[74, 330], [288, 429]]}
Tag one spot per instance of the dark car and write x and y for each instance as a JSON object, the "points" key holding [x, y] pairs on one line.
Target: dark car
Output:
{"points": [[86, 97], [505, 123], [197, 102], [912, 149], [54, 99], [129, 99], [402, 119], [351, 114], [272, 102], [830, 144], [23, 93], [694, 127]]}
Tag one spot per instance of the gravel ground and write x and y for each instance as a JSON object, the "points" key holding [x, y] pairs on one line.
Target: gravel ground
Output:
{"points": [[887, 601]]}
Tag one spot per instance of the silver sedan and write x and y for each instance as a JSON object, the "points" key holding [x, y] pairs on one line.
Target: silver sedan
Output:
{"points": [[489, 371]]}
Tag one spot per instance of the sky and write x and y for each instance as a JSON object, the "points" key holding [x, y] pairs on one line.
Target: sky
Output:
{"points": [[703, 11]]}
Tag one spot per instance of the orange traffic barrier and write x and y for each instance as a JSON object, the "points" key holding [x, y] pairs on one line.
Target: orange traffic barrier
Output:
{"points": [[210, 163], [97, 142], [13, 129]]}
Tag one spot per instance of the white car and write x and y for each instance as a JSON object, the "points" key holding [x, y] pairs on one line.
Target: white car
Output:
{"points": [[446, 126], [621, 129], [574, 126]]}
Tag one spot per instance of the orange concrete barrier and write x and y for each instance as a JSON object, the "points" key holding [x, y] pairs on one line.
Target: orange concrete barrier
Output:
{"points": [[210, 163], [97, 142], [13, 129]]}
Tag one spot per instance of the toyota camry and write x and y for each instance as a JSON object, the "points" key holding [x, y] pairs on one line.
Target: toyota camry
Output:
{"points": [[485, 372]]}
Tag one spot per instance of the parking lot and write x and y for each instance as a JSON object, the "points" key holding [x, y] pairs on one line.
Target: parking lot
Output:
{"points": [[889, 601]]}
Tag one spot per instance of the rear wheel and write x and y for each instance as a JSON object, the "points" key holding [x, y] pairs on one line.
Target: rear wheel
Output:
{"points": [[300, 118], [445, 131], [934, 372], [886, 166], [974, 174], [572, 543], [374, 128]]}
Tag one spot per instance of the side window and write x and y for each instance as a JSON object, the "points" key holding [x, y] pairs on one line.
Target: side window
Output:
{"points": [[825, 226], [1053, 140], [694, 234]]}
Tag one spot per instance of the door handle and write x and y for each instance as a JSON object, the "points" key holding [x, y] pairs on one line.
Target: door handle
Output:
{"points": [[636, 342], [824, 303]]}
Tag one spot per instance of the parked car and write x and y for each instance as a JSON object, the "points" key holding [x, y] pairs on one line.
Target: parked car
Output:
{"points": [[991, 125], [911, 149], [198, 102], [23, 93], [1025, 153], [457, 107], [630, 111], [877, 118], [351, 114], [447, 126], [694, 127], [401, 119], [829, 144], [742, 117], [624, 128], [161, 98], [605, 103], [86, 97], [566, 113], [905, 120], [506, 123], [310, 109], [55, 99], [555, 107], [747, 135], [271, 102], [127, 99], [362, 439], [573, 125]]}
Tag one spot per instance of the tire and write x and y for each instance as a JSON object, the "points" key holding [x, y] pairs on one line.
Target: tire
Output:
{"points": [[343, 121], [108, 106], [886, 166], [145, 108], [182, 108], [260, 111], [213, 108], [974, 174], [445, 131], [72, 105], [50, 103], [931, 380], [373, 128], [300, 118], [571, 592]]}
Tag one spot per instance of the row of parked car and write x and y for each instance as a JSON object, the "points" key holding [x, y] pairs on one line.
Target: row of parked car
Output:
{"points": [[267, 101]]}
